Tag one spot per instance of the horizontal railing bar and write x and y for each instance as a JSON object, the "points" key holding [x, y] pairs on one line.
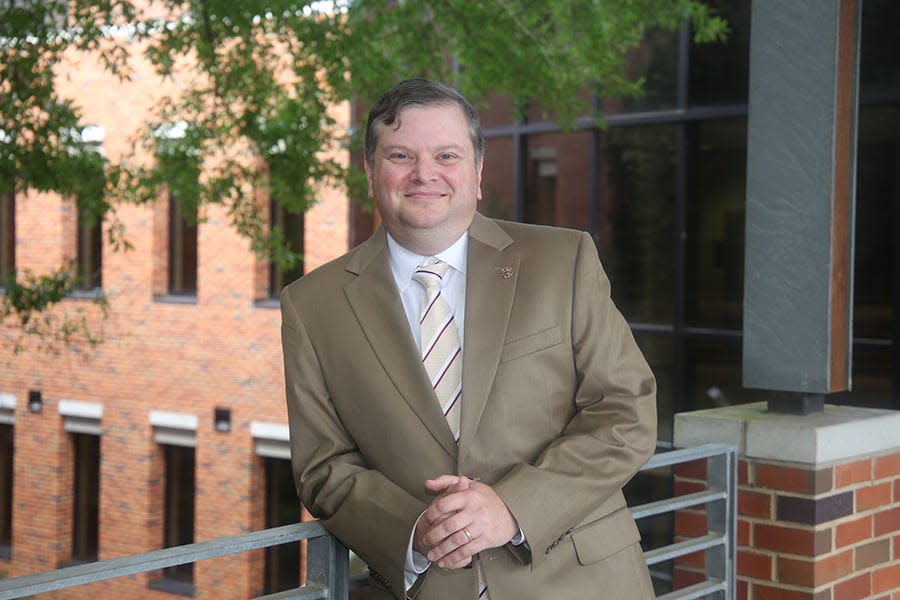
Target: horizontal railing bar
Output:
{"points": [[156, 559], [684, 548], [307, 592], [698, 590], [642, 511], [683, 455]]}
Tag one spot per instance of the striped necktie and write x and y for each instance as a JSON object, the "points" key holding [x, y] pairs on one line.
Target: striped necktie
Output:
{"points": [[441, 352]]}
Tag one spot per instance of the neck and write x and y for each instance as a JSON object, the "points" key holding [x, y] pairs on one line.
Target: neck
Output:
{"points": [[428, 245]]}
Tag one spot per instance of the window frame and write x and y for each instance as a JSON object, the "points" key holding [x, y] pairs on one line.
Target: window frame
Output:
{"points": [[85, 497], [179, 483], [287, 222], [88, 253], [278, 573], [7, 487], [7, 236]]}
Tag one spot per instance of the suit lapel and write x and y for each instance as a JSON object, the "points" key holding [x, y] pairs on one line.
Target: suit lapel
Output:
{"points": [[374, 299], [491, 275]]}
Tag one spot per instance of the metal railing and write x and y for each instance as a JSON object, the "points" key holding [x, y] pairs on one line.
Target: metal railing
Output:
{"points": [[720, 502], [328, 575]]}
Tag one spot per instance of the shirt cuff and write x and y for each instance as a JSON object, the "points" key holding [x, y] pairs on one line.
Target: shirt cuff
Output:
{"points": [[415, 563], [518, 539]]}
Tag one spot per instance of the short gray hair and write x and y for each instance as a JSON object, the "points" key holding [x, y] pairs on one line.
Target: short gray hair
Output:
{"points": [[419, 92]]}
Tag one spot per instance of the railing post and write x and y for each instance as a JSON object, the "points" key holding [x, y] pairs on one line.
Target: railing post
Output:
{"points": [[328, 565], [721, 473]]}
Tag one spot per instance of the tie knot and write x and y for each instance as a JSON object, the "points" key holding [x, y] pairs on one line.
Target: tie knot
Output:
{"points": [[430, 273]]}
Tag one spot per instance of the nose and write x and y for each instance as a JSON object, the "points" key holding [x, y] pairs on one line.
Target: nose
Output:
{"points": [[424, 170]]}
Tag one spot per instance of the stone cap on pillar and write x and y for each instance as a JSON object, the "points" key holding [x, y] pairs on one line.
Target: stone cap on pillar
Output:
{"points": [[836, 434]]}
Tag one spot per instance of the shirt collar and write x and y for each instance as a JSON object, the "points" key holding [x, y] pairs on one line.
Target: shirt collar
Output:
{"points": [[404, 262]]}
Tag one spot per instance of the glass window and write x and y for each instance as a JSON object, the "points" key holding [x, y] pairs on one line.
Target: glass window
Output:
{"points": [[558, 175], [6, 489], [282, 508], [89, 254], [292, 226], [879, 65], [498, 178], [716, 200], [875, 275], [179, 507], [86, 497], [656, 61], [720, 71], [636, 218], [7, 236], [182, 249], [713, 374], [872, 381]]}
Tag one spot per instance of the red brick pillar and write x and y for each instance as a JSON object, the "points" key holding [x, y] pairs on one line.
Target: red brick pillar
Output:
{"points": [[41, 531], [814, 523]]}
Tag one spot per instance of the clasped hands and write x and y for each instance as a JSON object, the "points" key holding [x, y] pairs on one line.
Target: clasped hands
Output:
{"points": [[465, 518]]}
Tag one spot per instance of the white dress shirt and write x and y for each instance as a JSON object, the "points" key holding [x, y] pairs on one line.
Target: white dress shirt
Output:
{"points": [[453, 285]]}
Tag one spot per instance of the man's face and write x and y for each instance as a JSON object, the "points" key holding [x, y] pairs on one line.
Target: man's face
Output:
{"points": [[424, 178]]}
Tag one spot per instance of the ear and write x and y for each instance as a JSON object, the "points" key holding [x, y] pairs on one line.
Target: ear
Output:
{"points": [[369, 176], [478, 168]]}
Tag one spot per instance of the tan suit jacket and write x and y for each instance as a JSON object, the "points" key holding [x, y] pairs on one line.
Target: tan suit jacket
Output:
{"points": [[558, 413]]}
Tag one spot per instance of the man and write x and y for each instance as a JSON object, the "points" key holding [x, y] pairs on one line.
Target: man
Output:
{"points": [[503, 469]]}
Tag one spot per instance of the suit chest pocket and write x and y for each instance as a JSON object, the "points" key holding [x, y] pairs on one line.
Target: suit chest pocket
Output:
{"points": [[531, 344]]}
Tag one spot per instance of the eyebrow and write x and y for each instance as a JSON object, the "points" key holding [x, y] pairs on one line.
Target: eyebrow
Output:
{"points": [[454, 147]]}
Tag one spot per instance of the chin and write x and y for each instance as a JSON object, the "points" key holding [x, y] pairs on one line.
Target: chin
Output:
{"points": [[425, 219]]}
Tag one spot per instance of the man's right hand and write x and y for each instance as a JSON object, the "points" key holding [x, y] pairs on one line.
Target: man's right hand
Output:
{"points": [[434, 515]]}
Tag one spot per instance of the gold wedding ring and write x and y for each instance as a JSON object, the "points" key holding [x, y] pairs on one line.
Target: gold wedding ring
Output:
{"points": [[468, 535]]}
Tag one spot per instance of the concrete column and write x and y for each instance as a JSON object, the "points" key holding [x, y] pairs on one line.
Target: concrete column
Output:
{"points": [[800, 195]]}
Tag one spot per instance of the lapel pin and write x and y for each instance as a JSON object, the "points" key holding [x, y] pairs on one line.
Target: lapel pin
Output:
{"points": [[506, 271]]}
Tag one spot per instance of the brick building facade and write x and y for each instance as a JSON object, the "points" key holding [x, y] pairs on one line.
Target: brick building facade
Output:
{"points": [[124, 455], [661, 188]]}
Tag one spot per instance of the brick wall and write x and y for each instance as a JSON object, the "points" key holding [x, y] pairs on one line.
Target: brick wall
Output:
{"points": [[222, 350], [805, 533]]}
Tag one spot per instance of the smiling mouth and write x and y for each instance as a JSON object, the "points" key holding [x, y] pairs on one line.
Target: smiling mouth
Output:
{"points": [[424, 195]]}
